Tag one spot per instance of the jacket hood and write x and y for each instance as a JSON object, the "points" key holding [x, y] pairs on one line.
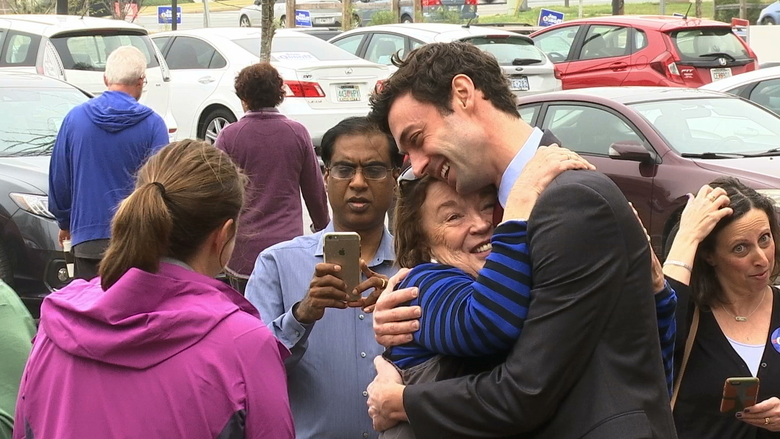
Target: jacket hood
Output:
{"points": [[143, 319], [114, 111]]}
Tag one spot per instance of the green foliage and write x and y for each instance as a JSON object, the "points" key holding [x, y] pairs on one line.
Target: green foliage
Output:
{"points": [[444, 15], [732, 10], [571, 13], [383, 17], [31, 6]]}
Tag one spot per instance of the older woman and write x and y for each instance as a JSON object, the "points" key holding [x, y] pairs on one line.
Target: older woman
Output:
{"points": [[473, 291], [722, 263]]}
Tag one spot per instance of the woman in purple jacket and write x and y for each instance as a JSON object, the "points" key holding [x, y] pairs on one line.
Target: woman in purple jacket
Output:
{"points": [[156, 347]]}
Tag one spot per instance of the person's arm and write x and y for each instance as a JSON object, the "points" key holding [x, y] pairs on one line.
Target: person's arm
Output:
{"points": [[665, 308], [463, 316], [60, 177], [159, 134], [580, 263], [264, 291], [267, 406], [312, 184]]}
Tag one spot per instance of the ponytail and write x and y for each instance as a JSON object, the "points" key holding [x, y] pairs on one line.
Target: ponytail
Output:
{"points": [[140, 234]]}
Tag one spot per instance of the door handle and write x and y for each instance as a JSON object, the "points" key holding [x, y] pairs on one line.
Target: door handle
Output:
{"points": [[206, 80], [618, 66]]}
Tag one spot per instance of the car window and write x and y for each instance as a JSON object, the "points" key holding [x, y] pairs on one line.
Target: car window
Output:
{"points": [[509, 50], [588, 129], [557, 43], [707, 43], [767, 94], [350, 43], [604, 42], [32, 117], [161, 42], [640, 40], [712, 125], [90, 52], [217, 61], [413, 44], [297, 48], [382, 47], [188, 53], [528, 112], [21, 49]]}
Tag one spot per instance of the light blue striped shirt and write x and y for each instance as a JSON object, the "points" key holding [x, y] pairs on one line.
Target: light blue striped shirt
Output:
{"points": [[332, 360]]}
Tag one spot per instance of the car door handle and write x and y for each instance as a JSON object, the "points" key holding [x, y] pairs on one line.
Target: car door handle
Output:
{"points": [[618, 66], [206, 80]]}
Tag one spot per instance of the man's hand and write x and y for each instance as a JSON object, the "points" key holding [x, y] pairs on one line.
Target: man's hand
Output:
{"points": [[386, 396], [64, 235], [394, 324], [325, 291]]}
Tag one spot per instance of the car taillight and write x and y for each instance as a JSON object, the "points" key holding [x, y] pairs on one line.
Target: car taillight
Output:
{"points": [[471, 2], [666, 65], [557, 73], [302, 89], [431, 3]]}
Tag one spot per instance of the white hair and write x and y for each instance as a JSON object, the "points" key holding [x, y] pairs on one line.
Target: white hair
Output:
{"points": [[126, 65]]}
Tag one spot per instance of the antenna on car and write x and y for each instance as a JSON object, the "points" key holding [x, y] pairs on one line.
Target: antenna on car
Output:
{"points": [[685, 17], [466, 26]]}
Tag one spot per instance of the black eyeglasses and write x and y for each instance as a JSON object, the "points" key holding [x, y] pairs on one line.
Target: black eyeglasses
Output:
{"points": [[346, 172]]}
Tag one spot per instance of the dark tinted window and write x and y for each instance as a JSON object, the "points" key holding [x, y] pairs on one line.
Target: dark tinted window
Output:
{"points": [[605, 42], [587, 129], [767, 94], [161, 42], [217, 61], [90, 52], [509, 50], [189, 53], [21, 49], [708, 43]]}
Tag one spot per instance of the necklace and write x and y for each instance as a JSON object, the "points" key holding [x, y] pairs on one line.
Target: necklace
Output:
{"points": [[745, 318]]}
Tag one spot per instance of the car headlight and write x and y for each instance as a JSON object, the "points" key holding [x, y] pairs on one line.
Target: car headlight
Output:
{"points": [[773, 194], [34, 204]]}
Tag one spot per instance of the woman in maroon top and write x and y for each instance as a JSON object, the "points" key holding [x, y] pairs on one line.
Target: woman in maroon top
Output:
{"points": [[277, 155]]}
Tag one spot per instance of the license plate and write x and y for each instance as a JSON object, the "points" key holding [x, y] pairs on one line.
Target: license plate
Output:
{"points": [[718, 74], [519, 84], [323, 20], [348, 93]]}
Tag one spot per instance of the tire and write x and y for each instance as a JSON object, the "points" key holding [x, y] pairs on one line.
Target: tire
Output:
{"points": [[6, 267], [406, 19], [768, 20], [244, 22], [670, 239], [213, 123], [282, 21]]}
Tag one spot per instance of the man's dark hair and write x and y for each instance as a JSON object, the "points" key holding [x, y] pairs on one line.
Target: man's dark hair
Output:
{"points": [[352, 126], [260, 86], [427, 73]]}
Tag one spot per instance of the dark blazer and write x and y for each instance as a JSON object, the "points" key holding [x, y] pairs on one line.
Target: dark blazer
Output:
{"points": [[588, 364]]}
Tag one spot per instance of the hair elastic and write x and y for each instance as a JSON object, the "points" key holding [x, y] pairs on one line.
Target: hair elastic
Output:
{"points": [[160, 187]]}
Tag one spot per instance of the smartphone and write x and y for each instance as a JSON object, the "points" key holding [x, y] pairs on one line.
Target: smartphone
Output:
{"points": [[343, 248], [738, 394]]}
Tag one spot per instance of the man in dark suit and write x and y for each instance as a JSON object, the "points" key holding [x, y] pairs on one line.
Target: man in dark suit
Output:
{"points": [[588, 364]]}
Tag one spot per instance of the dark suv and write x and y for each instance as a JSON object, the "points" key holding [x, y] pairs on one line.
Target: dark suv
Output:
{"points": [[33, 108]]}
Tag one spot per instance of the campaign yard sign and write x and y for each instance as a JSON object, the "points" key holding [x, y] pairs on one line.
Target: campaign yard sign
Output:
{"points": [[302, 18], [549, 17], [165, 15]]}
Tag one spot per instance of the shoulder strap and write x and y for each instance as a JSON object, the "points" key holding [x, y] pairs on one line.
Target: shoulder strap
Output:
{"points": [[686, 354]]}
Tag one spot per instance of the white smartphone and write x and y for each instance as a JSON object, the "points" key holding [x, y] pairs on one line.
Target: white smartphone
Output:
{"points": [[343, 248]]}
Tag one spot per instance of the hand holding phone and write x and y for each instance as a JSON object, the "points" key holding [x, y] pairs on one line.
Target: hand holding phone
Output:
{"points": [[738, 394], [343, 249]]}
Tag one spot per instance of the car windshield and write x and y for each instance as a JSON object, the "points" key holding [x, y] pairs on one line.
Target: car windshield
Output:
{"points": [[90, 52], [713, 125], [708, 43], [508, 50], [294, 48], [32, 118]]}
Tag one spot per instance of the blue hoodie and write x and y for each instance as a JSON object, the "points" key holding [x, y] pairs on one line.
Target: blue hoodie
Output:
{"points": [[99, 149]]}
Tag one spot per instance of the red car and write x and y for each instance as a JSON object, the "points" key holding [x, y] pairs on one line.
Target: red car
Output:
{"points": [[660, 143], [644, 50]]}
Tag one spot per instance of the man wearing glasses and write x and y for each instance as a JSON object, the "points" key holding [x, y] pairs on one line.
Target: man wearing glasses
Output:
{"points": [[332, 350]]}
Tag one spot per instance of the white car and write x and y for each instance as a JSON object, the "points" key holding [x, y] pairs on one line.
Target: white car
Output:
{"points": [[252, 15], [74, 49], [324, 83], [528, 68], [761, 86]]}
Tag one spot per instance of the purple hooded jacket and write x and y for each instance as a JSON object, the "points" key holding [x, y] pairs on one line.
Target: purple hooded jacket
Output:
{"points": [[174, 354]]}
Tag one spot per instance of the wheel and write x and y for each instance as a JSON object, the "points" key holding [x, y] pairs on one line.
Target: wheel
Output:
{"points": [[6, 267], [768, 20], [244, 21], [213, 123], [406, 19], [283, 21], [670, 239]]}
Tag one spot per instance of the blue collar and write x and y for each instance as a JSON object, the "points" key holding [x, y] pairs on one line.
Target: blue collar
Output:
{"points": [[517, 165]]}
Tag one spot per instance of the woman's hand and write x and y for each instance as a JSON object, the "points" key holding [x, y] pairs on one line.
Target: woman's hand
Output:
{"points": [[703, 212], [373, 280], [765, 414]]}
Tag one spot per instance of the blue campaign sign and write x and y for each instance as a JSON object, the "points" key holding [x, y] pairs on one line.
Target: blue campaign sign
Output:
{"points": [[165, 15], [302, 18], [549, 17]]}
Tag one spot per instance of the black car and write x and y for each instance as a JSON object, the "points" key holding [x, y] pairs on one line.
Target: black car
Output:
{"points": [[33, 108]]}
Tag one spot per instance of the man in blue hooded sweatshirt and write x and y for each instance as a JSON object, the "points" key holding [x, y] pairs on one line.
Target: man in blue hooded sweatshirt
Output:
{"points": [[101, 145]]}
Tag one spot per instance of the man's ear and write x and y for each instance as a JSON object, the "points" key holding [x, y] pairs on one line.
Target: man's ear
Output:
{"points": [[325, 175], [462, 92]]}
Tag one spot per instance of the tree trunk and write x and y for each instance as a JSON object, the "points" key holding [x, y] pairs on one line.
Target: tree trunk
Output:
{"points": [[617, 7], [266, 30], [346, 15], [698, 8]]}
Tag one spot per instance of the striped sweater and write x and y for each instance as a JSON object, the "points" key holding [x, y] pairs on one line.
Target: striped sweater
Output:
{"points": [[468, 317]]}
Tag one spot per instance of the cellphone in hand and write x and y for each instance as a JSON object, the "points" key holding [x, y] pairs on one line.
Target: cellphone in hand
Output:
{"points": [[738, 394], [343, 248]]}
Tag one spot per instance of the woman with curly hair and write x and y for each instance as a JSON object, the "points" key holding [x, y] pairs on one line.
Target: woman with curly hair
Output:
{"points": [[277, 155]]}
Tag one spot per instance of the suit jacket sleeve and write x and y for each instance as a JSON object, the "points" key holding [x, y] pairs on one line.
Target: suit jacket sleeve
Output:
{"points": [[569, 300]]}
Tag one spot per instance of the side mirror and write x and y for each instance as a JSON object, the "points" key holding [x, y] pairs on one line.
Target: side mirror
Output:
{"points": [[630, 150]]}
